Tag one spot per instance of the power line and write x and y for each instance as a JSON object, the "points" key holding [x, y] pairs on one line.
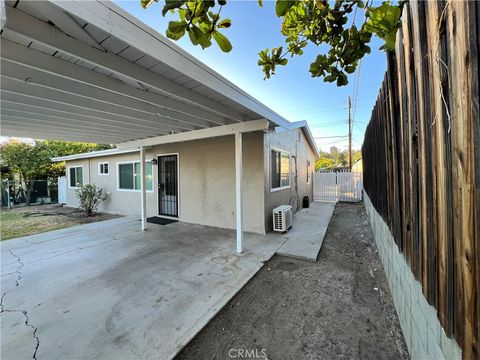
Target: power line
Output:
{"points": [[318, 106], [329, 137], [355, 94], [358, 126]]}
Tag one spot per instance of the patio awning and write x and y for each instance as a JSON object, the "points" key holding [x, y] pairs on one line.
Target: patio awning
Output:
{"points": [[89, 71]]}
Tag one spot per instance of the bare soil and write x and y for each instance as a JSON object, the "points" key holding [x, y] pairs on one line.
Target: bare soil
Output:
{"points": [[29, 220], [337, 307]]}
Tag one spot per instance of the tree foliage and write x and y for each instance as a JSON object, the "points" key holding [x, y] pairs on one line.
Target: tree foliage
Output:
{"points": [[31, 162], [304, 22], [335, 159], [34, 161], [64, 148]]}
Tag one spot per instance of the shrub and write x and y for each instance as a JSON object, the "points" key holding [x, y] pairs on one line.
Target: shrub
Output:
{"points": [[89, 197]]}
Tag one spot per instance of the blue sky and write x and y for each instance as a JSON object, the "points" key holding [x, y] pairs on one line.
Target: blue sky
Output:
{"points": [[292, 92]]}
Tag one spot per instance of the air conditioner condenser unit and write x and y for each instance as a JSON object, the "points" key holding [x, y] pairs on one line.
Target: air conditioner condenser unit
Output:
{"points": [[282, 218]]}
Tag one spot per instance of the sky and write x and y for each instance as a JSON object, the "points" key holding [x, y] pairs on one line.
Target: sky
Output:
{"points": [[292, 92]]}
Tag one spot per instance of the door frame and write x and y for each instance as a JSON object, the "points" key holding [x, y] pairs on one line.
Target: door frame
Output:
{"points": [[178, 187]]}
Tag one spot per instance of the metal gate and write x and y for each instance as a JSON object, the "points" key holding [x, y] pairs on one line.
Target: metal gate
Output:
{"points": [[168, 185], [337, 186], [62, 190]]}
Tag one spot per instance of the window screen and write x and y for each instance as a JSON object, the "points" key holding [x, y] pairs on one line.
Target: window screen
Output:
{"points": [[129, 176], [103, 167], [76, 176], [125, 174], [280, 169]]}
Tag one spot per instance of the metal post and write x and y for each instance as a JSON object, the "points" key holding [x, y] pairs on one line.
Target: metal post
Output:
{"points": [[349, 135], [9, 199], [143, 197], [238, 191]]}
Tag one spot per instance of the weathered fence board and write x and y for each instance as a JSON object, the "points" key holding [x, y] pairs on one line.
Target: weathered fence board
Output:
{"points": [[421, 158]]}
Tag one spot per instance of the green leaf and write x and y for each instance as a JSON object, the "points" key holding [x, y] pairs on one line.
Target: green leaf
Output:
{"points": [[263, 55], [342, 79], [172, 4], [176, 29], [177, 26], [260, 3], [282, 7], [350, 69], [202, 38], [329, 78], [193, 38], [146, 3], [222, 41], [225, 23]]}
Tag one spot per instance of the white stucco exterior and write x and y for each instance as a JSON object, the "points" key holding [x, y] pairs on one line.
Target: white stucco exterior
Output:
{"points": [[207, 179]]}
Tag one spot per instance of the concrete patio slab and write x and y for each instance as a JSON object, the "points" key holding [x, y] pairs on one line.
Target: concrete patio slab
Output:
{"points": [[108, 290], [305, 238]]}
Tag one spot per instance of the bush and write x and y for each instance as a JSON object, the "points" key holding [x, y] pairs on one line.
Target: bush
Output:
{"points": [[90, 197]]}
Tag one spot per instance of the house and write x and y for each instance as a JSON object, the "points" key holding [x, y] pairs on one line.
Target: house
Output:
{"points": [[357, 166], [191, 145], [194, 181]]}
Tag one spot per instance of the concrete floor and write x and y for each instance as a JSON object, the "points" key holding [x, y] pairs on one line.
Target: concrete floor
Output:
{"points": [[305, 238], [338, 307], [108, 290]]}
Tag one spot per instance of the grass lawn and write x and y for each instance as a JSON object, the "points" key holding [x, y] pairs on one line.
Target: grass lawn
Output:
{"points": [[31, 220]]}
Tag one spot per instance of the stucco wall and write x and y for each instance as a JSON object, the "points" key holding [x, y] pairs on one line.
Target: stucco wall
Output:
{"points": [[300, 151], [206, 182]]}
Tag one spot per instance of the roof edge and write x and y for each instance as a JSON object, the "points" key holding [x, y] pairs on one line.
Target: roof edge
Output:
{"points": [[93, 154], [303, 124]]}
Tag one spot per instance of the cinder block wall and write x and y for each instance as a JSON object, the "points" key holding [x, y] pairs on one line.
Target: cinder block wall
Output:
{"points": [[422, 331]]}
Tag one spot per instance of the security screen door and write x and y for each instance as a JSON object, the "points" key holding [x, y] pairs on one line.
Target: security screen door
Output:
{"points": [[168, 185]]}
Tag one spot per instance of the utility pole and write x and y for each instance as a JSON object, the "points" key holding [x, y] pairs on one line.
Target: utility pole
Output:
{"points": [[349, 135]]}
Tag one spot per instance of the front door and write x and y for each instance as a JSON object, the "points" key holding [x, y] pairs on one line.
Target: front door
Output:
{"points": [[168, 185]]}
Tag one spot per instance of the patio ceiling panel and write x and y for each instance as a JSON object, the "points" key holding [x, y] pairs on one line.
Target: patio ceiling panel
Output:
{"points": [[108, 72], [42, 65], [58, 96]]}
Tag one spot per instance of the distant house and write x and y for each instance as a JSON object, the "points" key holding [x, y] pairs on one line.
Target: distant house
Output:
{"points": [[194, 181], [357, 166]]}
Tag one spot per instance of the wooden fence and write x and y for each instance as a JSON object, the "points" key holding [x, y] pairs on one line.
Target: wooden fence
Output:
{"points": [[421, 158]]}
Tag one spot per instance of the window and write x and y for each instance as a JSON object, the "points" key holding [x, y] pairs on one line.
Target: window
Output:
{"points": [[280, 170], [129, 176], [103, 168], [309, 174], [76, 176]]}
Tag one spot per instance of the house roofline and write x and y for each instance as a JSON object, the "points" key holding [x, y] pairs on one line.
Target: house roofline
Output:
{"points": [[303, 124], [94, 154]]}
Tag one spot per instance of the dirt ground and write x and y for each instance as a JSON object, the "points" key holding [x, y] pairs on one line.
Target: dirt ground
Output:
{"points": [[337, 307], [29, 220]]}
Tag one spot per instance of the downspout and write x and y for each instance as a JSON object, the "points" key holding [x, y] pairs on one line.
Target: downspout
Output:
{"points": [[89, 171]]}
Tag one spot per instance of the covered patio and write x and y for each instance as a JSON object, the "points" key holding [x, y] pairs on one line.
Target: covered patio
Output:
{"points": [[91, 72], [110, 290]]}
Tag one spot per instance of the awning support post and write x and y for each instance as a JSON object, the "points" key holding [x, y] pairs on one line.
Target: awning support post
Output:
{"points": [[239, 190], [143, 196]]}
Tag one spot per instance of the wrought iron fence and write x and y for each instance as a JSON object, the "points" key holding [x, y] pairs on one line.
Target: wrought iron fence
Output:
{"points": [[15, 192]]}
